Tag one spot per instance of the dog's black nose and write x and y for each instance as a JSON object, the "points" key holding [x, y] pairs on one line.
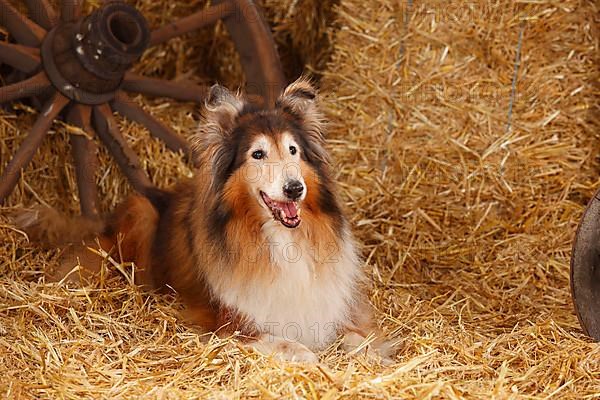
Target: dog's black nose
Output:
{"points": [[293, 189]]}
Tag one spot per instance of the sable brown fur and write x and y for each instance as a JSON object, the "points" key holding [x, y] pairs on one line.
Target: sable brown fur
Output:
{"points": [[208, 237]]}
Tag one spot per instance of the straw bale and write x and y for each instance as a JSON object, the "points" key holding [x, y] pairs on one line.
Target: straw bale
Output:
{"points": [[466, 223]]}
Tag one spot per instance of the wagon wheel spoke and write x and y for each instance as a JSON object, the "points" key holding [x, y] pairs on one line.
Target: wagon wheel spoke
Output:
{"points": [[29, 87], [258, 55], [86, 162], [24, 30], [108, 132], [42, 13], [198, 20], [126, 107], [70, 10], [183, 91], [12, 172], [89, 72], [23, 58]]}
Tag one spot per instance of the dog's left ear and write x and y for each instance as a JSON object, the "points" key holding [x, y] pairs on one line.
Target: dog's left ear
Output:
{"points": [[301, 100], [299, 97]]}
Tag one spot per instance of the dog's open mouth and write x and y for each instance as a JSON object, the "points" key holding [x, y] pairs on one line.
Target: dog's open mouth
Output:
{"points": [[286, 212]]}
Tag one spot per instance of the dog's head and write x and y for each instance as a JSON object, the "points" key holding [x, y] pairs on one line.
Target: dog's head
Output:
{"points": [[270, 164]]}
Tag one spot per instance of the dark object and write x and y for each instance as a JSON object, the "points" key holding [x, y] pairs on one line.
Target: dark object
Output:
{"points": [[79, 66], [585, 269], [293, 190]]}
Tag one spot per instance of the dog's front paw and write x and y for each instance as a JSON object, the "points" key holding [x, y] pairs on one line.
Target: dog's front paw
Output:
{"points": [[374, 348], [284, 350]]}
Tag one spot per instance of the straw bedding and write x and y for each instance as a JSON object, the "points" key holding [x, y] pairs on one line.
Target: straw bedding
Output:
{"points": [[466, 212]]}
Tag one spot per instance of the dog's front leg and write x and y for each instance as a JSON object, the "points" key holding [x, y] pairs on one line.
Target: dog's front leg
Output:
{"points": [[283, 349], [372, 345], [362, 336]]}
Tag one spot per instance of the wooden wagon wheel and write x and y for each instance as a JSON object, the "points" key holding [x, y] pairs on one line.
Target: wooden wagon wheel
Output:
{"points": [[585, 269], [79, 67]]}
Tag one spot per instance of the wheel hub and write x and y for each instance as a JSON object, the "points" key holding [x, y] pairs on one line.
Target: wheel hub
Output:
{"points": [[86, 60], [77, 67]]}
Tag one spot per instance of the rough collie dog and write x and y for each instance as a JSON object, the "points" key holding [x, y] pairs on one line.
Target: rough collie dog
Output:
{"points": [[255, 244]]}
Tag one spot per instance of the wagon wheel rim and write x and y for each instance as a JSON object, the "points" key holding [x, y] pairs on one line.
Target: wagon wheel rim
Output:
{"points": [[79, 67], [585, 269]]}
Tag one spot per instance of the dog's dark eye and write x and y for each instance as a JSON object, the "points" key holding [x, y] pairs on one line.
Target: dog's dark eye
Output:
{"points": [[293, 150], [258, 154]]}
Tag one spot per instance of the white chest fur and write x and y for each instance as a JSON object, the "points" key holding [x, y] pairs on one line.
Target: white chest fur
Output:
{"points": [[301, 302]]}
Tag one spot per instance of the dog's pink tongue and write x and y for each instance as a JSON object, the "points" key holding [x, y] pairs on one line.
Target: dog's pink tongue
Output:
{"points": [[289, 208]]}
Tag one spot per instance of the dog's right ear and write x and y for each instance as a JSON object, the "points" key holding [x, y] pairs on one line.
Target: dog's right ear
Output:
{"points": [[218, 120], [223, 107]]}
